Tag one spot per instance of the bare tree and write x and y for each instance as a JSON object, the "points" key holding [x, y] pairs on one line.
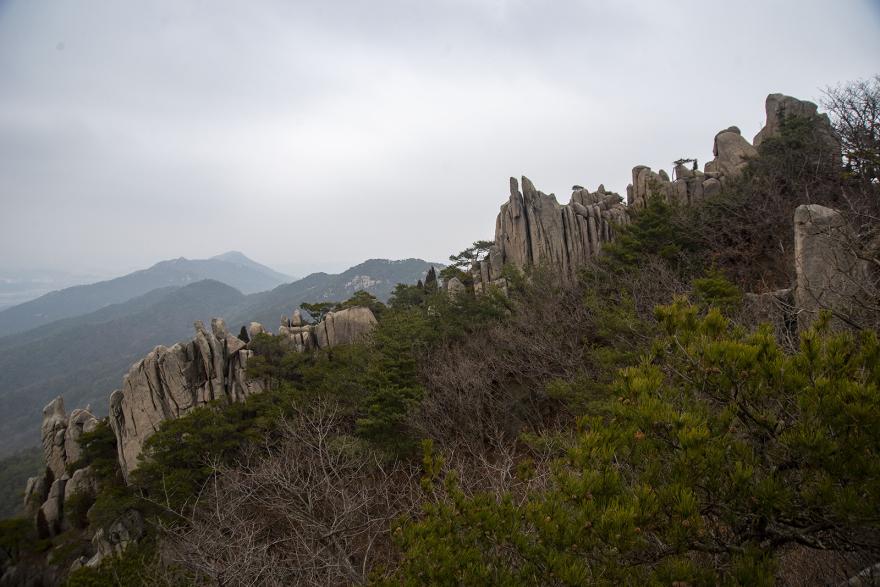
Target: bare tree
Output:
{"points": [[855, 113], [495, 381], [315, 510]]}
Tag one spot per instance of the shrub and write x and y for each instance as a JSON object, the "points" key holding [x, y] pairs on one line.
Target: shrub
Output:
{"points": [[715, 453]]}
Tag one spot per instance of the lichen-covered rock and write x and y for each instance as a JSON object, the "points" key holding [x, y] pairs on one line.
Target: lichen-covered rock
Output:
{"points": [[81, 482], [35, 493], [80, 422], [255, 328], [336, 328]]}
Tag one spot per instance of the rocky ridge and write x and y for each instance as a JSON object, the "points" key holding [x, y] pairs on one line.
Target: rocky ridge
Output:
{"points": [[532, 228], [171, 381]]}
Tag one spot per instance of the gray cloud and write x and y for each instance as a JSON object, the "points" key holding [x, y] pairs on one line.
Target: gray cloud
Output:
{"points": [[329, 132]]}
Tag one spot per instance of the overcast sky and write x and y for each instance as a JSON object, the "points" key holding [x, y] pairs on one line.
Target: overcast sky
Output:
{"points": [[324, 133]]}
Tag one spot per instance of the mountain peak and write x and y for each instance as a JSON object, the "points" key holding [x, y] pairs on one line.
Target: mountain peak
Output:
{"points": [[233, 257]]}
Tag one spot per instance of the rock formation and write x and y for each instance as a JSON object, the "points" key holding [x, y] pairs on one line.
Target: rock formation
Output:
{"points": [[829, 273], [45, 494], [532, 228], [455, 287], [779, 106], [337, 328], [170, 381], [732, 152]]}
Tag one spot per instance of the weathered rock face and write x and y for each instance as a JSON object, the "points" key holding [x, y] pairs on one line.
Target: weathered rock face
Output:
{"points": [[127, 529], [82, 481], [344, 327], [45, 494], [779, 106], [52, 433], [337, 328], [732, 153], [49, 517], [455, 287], [170, 381], [689, 186], [533, 229], [830, 275]]}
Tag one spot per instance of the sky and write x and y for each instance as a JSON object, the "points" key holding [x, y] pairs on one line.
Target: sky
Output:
{"points": [[315, 135]]}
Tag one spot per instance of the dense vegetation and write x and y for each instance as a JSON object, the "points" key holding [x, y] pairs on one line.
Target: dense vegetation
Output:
{"points": [[638, 426], [14, 472]]}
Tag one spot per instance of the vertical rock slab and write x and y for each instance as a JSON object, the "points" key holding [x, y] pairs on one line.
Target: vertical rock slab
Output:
{"points": [[829, 274], [344, 327], [532, 228], [169, 382], [52, 433]]}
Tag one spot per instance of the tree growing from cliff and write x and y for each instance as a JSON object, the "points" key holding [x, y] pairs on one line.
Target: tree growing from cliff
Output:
{"points": [[318, 310], [472, 254]]}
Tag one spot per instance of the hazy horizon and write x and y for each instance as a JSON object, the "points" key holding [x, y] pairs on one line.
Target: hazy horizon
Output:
{"points": [[326, 134]]}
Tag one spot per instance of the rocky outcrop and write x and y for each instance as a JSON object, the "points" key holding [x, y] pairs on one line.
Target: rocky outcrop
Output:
{"points": [[829, 273], [732, 153], [49, 516], [127, 529], [45, 494], [170, 381], [344, 327], [532, 228], [690, 185], [337, 328], [455, 287], [778, 107]]}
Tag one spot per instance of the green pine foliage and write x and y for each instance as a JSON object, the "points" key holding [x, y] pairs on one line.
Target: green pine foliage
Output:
{"points": [[654, 232], [363, 299], [715, 452]]}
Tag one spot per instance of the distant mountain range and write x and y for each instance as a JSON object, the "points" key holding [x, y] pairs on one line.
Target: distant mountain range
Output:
{"points": [[232, 268], [20, 285], [84, 357]]}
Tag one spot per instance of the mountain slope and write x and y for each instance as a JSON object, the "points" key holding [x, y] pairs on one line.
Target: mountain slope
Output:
{"points": [[240, 259], [377, 276], [238, 272], [85, 357]]}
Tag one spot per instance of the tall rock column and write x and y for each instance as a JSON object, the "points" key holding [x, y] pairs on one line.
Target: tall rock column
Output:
{"points": [[45, 494], [829, 274]]}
